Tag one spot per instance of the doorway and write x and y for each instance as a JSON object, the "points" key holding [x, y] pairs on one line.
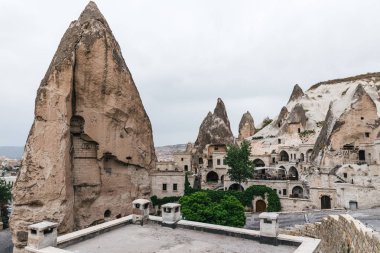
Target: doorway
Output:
{"points": [[361, 155], [325, 202], [261, 206]]}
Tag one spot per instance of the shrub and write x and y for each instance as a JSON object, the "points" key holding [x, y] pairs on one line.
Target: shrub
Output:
{"points": [[213, 207]]}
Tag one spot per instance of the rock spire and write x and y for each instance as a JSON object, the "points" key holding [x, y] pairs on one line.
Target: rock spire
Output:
{"points": [[90, 148], [246, 126], [215, 128], [296, 93]]}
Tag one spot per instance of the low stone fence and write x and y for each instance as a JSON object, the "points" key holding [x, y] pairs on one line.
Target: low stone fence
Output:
{"points": [[295, 204], [340, 234]]}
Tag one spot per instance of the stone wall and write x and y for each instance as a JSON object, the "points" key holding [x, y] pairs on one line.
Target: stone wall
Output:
{"points": [[340, 234], [295, 204]]}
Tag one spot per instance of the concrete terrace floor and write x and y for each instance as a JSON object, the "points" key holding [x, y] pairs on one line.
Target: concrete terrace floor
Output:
{"points": [[154, 238]]}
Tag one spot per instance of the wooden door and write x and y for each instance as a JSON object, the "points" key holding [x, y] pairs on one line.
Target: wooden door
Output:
{"points": [[261, 206]]}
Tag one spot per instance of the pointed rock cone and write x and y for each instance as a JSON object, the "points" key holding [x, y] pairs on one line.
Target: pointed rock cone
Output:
{"points": [[90, 137], [246, 126], [215, 128], [296, 93]]}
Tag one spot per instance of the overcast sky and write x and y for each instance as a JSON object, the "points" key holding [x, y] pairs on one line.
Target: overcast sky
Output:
{"points": [[183, 55]]}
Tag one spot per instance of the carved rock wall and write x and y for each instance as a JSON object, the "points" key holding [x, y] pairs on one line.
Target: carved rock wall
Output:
{"points": [[90, 148]]}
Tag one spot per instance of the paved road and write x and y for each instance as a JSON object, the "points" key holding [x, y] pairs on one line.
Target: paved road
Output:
{"points": [[5, 241], [369, 217]]}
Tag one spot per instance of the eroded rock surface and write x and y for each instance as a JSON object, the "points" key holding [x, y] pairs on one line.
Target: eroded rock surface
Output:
{"points": [[246, 126], [296, 93], [90, 149], [215, 128]]}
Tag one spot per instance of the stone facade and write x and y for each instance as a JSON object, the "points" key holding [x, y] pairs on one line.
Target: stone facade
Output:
{"points": [[168, 179], [340, 234]]}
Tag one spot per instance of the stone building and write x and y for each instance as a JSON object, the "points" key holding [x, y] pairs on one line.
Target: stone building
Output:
{"points": [[168, 179], [322, 151]]}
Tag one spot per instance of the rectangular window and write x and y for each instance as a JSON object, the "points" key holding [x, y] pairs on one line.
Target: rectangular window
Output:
{"points": [[181, 159], [164, 187], [216, 148], [284, 192], [345, 175], [175, 187], [218, 161], [268, 221], [224, 162], [367, 135], [279, 141]]}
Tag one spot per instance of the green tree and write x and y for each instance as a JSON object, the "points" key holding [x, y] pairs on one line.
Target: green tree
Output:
{"points": [[237, 158], [203, 207], [265, 122], [188, 189], [5, 197], [5, 192]]}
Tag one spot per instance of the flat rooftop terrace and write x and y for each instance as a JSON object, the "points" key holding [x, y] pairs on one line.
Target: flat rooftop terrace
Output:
{"points": [[155, 238]]}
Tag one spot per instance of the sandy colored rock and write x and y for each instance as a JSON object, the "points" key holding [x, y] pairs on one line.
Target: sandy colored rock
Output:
{"points": [[246, 126], [296, 93], [215, 128], [359, 123], [90, 149]]}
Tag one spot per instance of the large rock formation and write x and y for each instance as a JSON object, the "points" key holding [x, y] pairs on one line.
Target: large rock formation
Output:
{"points": [[281, 117], [296, 93], [215, 128], [246, 126], [349, 123], [90, 149]]}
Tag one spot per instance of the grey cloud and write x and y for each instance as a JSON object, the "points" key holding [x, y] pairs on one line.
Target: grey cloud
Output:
{"points": [[183, 55]]}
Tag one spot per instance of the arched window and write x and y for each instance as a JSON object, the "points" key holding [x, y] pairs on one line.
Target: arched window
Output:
{"points": [[308, 155], [107, 214], [236, 187], [284, 156], [212, 177], [297, 192], [258, 163], [293, 173]]}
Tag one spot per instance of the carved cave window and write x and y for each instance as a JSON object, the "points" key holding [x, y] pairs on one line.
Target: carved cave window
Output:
{"points": [[107, 214]]}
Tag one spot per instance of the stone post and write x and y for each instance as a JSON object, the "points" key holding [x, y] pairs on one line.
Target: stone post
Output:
{"points": [[42, 235], [171, 214], [269, 228], [140, 210]]}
